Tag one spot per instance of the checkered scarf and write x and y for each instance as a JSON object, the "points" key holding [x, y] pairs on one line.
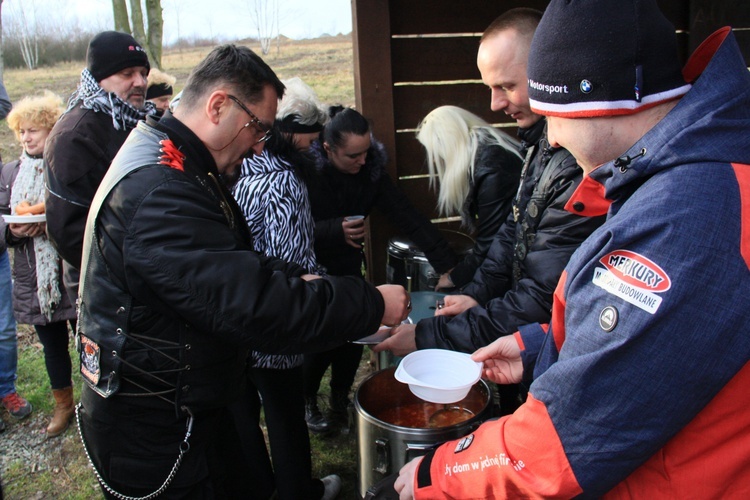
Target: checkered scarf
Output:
{"points": [[124, 116], [29, 186]]}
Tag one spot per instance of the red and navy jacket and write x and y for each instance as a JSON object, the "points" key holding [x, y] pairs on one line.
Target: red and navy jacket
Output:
{"points": [[641, 381]]}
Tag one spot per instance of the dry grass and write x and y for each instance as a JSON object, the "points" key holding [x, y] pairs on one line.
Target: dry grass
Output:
{"points": [[324, 63]]}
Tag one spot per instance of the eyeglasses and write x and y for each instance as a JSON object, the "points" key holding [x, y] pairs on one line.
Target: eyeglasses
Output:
{"points": [[255, 120]]}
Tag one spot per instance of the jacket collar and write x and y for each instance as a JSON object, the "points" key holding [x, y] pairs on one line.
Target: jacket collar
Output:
{"points": [[532, 135], [196, 153]]}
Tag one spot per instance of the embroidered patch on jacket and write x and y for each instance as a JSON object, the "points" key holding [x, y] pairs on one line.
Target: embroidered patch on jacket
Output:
{"points": [[90, 367], [464, 443], [632, 277]]}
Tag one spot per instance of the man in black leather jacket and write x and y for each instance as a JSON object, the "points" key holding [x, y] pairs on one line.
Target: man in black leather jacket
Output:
{"points": [[515, 283], [173, 297]]}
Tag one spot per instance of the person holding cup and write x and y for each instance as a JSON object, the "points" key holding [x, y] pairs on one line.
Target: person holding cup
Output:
{"points": [[39, 297], [348, 181], [354, 227]]}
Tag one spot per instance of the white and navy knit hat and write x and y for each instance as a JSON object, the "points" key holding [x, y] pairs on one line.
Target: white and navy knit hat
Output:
{"points": [[602, 58]]}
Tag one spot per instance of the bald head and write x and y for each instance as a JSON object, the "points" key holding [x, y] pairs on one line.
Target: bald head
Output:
{"points": [[522, 20], [502, 60]]}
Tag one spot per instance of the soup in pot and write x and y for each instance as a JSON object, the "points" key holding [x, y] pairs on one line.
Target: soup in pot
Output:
{"points": [[424, 415]]}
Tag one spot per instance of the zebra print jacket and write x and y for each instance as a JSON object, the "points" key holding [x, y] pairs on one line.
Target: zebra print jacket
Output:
{"points": [[275, 204]]}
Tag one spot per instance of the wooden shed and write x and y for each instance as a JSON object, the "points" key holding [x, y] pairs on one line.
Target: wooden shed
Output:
{"points": [[411, 56]]}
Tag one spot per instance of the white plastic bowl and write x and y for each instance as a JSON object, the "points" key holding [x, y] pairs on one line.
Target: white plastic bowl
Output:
{"points": [[439, 375]]}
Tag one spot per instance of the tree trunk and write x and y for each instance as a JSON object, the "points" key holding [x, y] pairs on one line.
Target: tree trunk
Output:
{"points": [[120, 11], [136, 16], [155, 31]]}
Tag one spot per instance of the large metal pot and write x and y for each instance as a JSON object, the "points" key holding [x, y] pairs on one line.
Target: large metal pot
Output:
{"points": [[407, 265], [384, 446]]}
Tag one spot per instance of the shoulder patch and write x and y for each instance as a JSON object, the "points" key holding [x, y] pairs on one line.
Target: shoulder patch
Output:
{"points": [[464, 443], [632, 277]]}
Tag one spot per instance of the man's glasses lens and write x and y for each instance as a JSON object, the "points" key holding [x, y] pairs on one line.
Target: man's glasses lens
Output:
{"points": [[255, 120]]}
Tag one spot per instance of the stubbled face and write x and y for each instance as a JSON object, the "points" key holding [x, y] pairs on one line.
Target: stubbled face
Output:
{"points": [[350, 157], [32, 138], [161, 103], [502, 61], [129, 84]]}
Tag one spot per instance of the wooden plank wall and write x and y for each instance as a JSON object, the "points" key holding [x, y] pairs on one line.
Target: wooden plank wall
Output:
{"points": [[411, 56]]}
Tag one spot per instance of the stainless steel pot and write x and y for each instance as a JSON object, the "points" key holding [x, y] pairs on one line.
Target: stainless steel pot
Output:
{"points": [[407, 265], [383, 446]]}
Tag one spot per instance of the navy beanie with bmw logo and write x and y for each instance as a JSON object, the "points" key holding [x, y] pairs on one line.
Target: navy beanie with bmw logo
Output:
{"points": [[602, 58], [113, 51]]}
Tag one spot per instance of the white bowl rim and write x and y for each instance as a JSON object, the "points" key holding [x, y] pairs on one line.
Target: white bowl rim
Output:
{"points": [[403, 376]]}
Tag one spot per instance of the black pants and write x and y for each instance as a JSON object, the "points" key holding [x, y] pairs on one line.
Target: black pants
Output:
{"points": [[344, 361], [134, 447], [284, 410], [54, 339]]}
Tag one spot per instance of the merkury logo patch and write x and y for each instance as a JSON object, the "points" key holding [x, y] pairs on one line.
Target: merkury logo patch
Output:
{"points": [[637, 270], [632, 277]]}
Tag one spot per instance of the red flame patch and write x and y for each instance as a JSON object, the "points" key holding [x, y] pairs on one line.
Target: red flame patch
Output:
{"points": [[171, 156]]}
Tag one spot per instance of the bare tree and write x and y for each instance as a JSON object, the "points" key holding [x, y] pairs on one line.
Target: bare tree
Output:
{"points": [[265, 18], [136, 14], [155, 30], [149, 34], [27, 35], [120, 11]]}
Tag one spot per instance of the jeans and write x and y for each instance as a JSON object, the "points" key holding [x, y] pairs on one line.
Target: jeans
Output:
{"points": [[8, 336]]}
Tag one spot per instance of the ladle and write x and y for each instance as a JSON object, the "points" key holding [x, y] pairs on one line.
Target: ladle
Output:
{"points": [[449, 415]]}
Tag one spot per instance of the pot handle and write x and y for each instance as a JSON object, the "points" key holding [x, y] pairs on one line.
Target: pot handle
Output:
{"points": [[383, 452], [414, 450]]}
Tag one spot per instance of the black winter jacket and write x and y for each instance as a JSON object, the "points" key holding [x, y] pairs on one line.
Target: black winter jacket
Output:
{"points": [[335, 195], [173, 297], [495, 183], [514, 285], [78, 153]]}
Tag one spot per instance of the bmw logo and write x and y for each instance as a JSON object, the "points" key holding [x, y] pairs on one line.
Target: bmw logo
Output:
{"points": [[586, 86]]}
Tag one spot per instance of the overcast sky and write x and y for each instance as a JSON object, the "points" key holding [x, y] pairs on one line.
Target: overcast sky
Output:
{"points": [[230, 19]]}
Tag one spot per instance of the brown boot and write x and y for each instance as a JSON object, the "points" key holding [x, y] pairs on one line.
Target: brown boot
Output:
{"points": [[64, 410]]}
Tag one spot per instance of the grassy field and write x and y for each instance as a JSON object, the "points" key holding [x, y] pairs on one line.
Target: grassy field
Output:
{"points": [[323, 63], [63, 472]]}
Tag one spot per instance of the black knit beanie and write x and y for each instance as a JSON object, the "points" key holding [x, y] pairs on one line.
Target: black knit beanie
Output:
{"points": [[603, 58], [113, 51], [159, 90]]}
